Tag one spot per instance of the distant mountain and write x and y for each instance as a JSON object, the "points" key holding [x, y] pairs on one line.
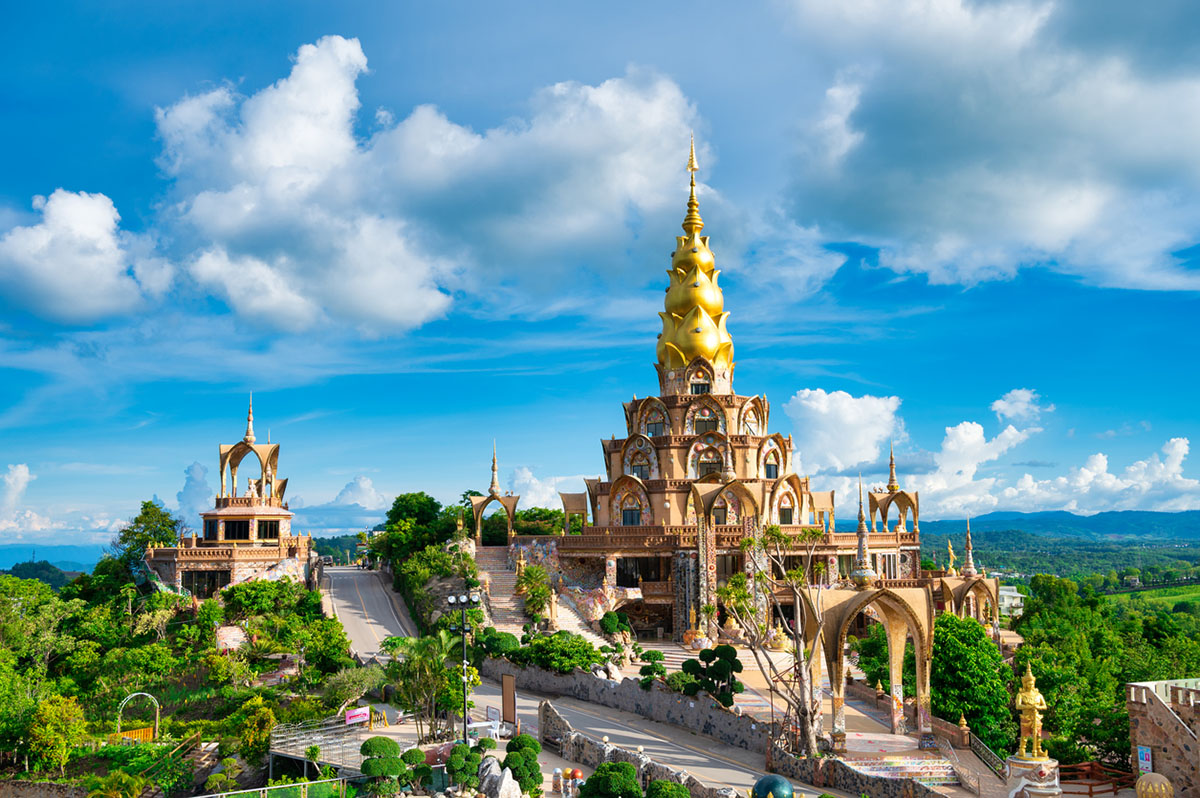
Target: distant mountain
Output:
{"points": [[1125, 525], [80, 558]]}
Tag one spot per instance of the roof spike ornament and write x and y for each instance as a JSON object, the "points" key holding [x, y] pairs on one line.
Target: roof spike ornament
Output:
{"points": [[692, 223], [893, 485], [249, 438], [494, 488], [863, 576], [968, 568]]}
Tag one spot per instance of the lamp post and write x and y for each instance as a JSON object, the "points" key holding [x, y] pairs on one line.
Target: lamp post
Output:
{"points": [[464, 602]]}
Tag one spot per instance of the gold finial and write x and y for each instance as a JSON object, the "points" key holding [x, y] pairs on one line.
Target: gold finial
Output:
{"points": [[893, 485], [692, 223], [250, 421], [494, 488]]}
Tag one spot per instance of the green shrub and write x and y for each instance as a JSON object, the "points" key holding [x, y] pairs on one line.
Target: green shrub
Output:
{"points": [[494, 643], [612, 780], [660, 788], [714, 673], [653, 669], [613, 622], [463, 766], [523, 763], [562, 652], [679, 681]]}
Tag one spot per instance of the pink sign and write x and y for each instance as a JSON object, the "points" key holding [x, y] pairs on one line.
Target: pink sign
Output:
{"points": [[358, 715]]}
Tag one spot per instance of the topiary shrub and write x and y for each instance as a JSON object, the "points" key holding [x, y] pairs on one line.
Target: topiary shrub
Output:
{"points": [[660, 788], [463, 767], [418, 771], [382, 764], [653, 669], [714, 673], [612, 780], [521, 759], [679, 681]]}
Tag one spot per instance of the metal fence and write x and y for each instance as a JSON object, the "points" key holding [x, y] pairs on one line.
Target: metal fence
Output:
{"points": [[339, 743]]}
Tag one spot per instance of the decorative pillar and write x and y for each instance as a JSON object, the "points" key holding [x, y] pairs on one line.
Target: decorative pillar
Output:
{"points": [[897, 634], [221, 530], [837, 686], [924, 713]]}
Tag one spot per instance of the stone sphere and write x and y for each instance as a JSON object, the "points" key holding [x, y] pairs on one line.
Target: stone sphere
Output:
{"points": [[1154, 785], [773, 785]]}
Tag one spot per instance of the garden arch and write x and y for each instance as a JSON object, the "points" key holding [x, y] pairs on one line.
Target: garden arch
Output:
{"points": [[130, 697]]}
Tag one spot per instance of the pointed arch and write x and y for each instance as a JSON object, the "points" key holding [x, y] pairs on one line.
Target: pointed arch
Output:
{"points": [[707, 449], [788, 492], [705, 408], [653, 410], [774, 442], [700, 371], [629, 493], [753, 409], [639, 449], [737, 497], [906, 504]]}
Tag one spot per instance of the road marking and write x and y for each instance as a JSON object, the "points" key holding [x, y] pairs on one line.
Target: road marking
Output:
{"points": [[366, 617]]}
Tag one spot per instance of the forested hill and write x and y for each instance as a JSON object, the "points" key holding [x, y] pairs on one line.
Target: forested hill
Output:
{"points": [[1128, 525]]}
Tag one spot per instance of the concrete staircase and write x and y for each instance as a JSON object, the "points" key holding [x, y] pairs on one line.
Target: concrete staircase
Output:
{"points": [[508, 609], [570, 620], [931, 771]]}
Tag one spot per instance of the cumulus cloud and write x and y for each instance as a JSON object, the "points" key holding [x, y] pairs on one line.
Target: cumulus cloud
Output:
{"points": [[1154, 483], [967, 140], [196, 495], [543, 491], [361, 491], [291, 219], [75, 264], [834, 430], [15, 480], [1020, 405]]}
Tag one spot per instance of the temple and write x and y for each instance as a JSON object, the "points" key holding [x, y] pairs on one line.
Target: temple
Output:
{"points": [[244, 537], [699, 469]]}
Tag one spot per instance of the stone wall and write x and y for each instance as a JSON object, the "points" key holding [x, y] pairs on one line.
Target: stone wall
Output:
{"points": [[40, 789], [700, 714], [1165, 717], [822, 772], [585, 750]]}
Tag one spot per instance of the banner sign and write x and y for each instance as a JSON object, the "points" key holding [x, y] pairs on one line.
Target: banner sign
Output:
{"points": [[1144, 763], [358, 715]]}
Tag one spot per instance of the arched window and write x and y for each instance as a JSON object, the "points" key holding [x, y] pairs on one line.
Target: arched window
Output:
{"points": [[771, 466], [706, 420], [787, 510], [631, 511], [656, 424], [720, 512], [750, 423], [640, 466], [710, 462]]}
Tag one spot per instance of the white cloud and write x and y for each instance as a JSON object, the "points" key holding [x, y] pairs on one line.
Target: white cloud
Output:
{"points": [[968, 140], [15, 480], [543, 492], [834, 430], [292, 219], [1020, 404], [1155, 483], [361, 491], [195, 496], [75, 265]]}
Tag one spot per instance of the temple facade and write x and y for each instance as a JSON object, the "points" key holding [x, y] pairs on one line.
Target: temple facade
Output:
{"points": [[244, 537], [699, 470]]}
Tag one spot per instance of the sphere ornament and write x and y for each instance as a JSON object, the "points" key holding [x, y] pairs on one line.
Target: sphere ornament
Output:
{"points": [[772, 785], [1154, 785]]}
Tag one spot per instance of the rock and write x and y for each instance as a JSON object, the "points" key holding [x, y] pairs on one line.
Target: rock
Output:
{"points": [[612, 672], [507, 786]]}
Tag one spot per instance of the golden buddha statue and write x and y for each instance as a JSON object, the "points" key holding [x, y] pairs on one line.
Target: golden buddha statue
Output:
{"points": [[1031, 704], [950, 548]]}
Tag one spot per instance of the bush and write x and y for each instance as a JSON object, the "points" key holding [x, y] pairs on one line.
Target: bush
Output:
{"points": [[714, 673], [613, 622], [497, 644], [653, 669], [562, 652], [613, 780], [522, 761], [679, 681], [463, 766], [660, 788]]}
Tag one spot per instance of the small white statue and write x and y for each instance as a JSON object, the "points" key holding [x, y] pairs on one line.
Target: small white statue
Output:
{"points": [[251, 488]]}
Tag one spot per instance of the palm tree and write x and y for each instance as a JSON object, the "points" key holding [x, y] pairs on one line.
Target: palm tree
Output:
{"points": [[118, 784]]}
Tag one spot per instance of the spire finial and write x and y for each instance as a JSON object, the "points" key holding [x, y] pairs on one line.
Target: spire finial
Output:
{"points": [[692, 223], [863, 574], [494, 488], [250, 421], [968, 568], [893, 485]]}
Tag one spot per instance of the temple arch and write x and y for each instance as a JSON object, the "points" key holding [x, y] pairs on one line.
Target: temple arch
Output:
{"points": [[640, 459], [654, 412], [709, 453], [704, 415], [699, 377], [753, 418], [629, 502]]}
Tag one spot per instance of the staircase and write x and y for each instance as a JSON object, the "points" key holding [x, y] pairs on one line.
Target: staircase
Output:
{"points": [[508, 609], [201, 756], [570, 620], [932, 771]]}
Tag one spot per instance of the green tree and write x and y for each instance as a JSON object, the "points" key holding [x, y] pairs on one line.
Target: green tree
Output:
{"points": [[873, 660], [653, 669], [58, 727], [225, 780], [612, 780], [521, 755], [419, 508], [351, 684], [969, 679], [255, 733], [716, 674], [463, 767], [152, 525], [382, 764]]}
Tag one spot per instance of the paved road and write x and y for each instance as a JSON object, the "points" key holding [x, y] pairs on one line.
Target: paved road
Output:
{"points": [[364, 605]]}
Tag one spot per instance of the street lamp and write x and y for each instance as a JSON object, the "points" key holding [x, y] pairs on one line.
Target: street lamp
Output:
{"points": [[463, 602]]}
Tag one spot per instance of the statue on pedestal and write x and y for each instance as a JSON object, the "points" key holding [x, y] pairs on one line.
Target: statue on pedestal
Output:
{"points": [[1031, 704]]}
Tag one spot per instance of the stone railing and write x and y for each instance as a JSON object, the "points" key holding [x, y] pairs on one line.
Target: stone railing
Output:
{"points": [[657, 590], [830, 772], [250, 501]]}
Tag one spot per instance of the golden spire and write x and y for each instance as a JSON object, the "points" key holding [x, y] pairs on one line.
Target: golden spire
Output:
{"points": [[863, 574], [692, 223], [494, 488], [968, 568], [250, 422], [892, 485]]}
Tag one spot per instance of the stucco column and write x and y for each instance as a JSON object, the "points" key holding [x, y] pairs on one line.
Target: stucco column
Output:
{"points": [[924, 712], [897, 634], [837, 685], [253, 529], [221, 530]]}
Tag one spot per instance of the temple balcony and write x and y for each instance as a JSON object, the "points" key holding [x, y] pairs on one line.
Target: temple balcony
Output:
{"points": [[249, 501]]}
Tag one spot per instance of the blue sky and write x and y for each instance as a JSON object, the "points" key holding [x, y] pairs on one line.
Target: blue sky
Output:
{"points": [[413, 228]]}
